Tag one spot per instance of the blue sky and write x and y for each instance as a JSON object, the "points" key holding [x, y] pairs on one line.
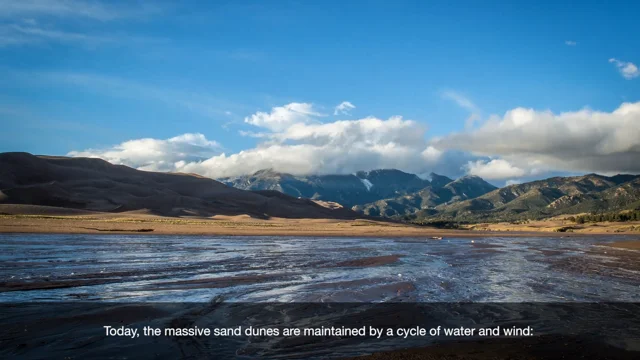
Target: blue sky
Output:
{"points": [[84, 77]]}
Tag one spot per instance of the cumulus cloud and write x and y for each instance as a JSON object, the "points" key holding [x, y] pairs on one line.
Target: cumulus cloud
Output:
{"points": [[370, 131], [522, 144], [294, 141], [282, 117], [344, 108], [154, 154], [540, 141], [494, 169], [307, 146], [628, 70], [570, 43]]}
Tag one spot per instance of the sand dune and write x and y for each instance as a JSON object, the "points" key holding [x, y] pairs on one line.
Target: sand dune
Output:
{"points": [[75, 184], [15, 209]]}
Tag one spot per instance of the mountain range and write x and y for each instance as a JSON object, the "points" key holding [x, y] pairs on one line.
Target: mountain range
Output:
{"points": [[547, 198], [348, 190], [396, 194], [384, 192], [97, 185]]}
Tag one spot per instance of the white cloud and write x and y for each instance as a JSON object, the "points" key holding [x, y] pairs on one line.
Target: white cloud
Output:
{"points": [[312, 158], [570, 43], [471, 120], [460, 99], [154, 154], [431, 154], [541, 141], [345, 146], [303, 146], [496, 169], [369, 131], [282, 117], [344, 108], [522, 144], [466, 104], [628, 70], [513, 182]]}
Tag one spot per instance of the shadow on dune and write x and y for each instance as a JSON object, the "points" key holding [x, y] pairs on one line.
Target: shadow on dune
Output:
{"points": [[96, 185]]}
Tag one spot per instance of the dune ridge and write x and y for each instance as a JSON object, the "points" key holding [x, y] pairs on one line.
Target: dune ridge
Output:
{"points": [[88, 184]]}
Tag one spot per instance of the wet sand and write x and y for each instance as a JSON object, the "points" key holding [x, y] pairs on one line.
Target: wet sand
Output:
{"points": [[215, 283], [613, 259], [631, 245], [370, 261]]}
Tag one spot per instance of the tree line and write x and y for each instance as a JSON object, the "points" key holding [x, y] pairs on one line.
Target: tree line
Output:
{"points": [[613, 217]]}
